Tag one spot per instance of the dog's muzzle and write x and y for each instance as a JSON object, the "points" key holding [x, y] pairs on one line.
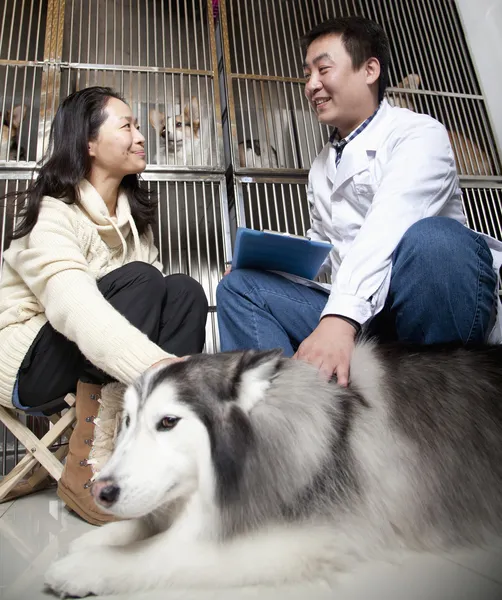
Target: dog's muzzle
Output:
{"points": [[105, 492]]}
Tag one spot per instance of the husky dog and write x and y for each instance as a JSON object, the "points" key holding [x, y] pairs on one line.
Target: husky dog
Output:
{"points": [[9, 148], [181, 137], [247, 468]]}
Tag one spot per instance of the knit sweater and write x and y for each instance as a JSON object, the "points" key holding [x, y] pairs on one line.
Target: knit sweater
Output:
{"points": [[51, 274]]}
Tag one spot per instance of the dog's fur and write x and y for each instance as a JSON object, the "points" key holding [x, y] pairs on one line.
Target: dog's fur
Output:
{"points": [[273, 475], [180, 137], [11, 123], [250, 155]]}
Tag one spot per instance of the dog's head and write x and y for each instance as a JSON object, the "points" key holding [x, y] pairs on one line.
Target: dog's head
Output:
{"points": [[180, 424], [181, 127], [11, 122]]}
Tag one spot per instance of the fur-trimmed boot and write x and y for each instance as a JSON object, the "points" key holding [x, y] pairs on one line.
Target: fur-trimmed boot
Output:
{"points": [[107, 426], [91, 444]]}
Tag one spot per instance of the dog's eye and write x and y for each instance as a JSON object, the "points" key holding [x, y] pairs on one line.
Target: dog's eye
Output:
{"points": [[179, 124], [167, 423], [127, 421]]}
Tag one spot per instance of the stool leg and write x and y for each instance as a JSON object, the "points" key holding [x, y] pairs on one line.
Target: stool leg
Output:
{"points": [[37, 450]]}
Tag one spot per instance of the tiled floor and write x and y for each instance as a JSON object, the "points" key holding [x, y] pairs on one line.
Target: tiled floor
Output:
{"points": [[33, 530]]}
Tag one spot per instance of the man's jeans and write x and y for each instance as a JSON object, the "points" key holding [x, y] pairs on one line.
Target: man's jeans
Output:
{"points": [[442, 289]]}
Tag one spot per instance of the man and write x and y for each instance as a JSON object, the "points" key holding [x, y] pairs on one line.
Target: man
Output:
{"points": [[384, 191]]}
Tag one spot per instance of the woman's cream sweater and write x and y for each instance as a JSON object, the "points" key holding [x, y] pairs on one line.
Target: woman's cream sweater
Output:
{"points": [[51, 274]]}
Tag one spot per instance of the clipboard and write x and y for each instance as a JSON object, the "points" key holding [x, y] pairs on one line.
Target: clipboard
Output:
{"points": [[275, 251]]}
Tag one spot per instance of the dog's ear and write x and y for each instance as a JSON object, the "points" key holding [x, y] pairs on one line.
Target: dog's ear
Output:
{"points": [[195, 109], [414, 80], [18, 115], [411, 81], [253, 375], [195, 116], [157, 119]]}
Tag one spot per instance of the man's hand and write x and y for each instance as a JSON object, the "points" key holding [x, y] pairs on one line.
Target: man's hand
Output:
{"points": [[228, 268], [329, 348]]}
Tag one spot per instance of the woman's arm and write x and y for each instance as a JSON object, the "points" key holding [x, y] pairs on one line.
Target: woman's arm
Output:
{"points": [[52, 264]]}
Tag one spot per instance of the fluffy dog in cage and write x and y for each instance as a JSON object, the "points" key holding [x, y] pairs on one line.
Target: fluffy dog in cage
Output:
{"points": [[11, 123], [470, 158], [247, 468], [181, 139], [181, 142]]}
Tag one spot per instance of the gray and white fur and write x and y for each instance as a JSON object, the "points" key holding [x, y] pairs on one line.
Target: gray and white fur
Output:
{"points": [[267, 474]]}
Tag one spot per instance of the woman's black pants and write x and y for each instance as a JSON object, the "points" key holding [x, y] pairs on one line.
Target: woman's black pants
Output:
{"points": [[170, 310]]}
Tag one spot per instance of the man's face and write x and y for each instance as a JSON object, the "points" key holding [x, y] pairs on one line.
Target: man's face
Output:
{"points": [[340, 96]]}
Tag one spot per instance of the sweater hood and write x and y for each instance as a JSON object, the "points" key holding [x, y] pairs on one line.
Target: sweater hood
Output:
{"points": [[114, 231]]}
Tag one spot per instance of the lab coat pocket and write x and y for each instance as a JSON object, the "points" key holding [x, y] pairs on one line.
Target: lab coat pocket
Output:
{"points": [[366, 190], [365, 187], [364, 194]]}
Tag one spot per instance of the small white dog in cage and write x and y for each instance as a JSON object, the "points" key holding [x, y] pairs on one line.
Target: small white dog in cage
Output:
{"points": [[183, 139]]}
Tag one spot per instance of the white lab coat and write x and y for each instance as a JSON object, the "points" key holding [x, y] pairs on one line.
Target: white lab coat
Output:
{"points": [[398, 170]]}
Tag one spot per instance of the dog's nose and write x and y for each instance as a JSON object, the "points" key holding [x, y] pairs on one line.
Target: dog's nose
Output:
{"points": [[105, 492]]}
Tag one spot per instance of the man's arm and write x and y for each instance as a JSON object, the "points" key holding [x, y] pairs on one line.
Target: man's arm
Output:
{"points": [[419, 179]]}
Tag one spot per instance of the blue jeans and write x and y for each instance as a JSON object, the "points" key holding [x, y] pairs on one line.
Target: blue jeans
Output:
{"points": [[442, 289]]}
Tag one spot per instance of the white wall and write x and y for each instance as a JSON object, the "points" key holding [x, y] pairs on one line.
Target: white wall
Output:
{"points": [[482, 21]]}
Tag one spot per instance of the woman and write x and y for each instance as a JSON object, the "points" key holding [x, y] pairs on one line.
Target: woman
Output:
{"points": [[83, 301]]}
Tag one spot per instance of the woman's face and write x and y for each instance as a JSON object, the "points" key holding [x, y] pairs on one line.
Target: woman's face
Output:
{"points": [[119, 149]]}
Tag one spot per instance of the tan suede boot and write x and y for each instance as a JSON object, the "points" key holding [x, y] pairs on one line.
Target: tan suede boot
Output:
{"points": [[80, 469]]}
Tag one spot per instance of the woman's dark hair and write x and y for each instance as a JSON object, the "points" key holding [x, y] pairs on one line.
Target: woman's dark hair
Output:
{"points": [[67, 162], [362, 39]]}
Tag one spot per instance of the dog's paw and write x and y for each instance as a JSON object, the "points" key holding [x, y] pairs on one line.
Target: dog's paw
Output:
{"points": [[78, 575], [121, 533], [87, 541]]}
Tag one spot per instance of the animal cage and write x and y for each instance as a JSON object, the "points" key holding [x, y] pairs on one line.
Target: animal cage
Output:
{"points": [[218, 89]]}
